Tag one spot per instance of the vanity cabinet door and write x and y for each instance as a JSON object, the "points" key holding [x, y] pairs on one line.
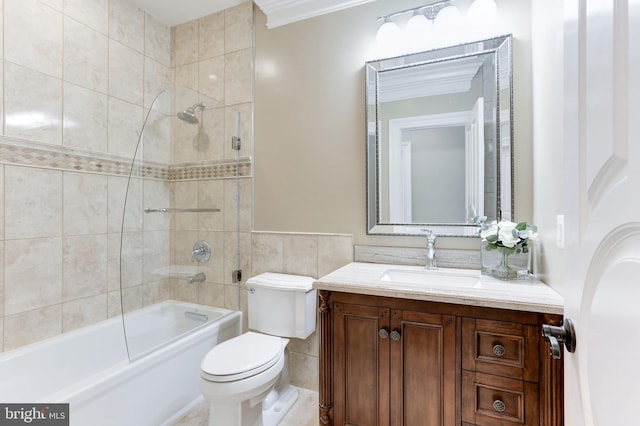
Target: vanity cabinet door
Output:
{"points": [[423, 369], [393, 367], [360, 365]]}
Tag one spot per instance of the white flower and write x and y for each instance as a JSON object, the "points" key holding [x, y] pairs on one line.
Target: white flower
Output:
{"points": [[505, 234], [508, 234], [527, 234], [492, 229]]}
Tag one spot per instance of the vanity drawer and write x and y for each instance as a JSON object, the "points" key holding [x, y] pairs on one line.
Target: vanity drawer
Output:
{"points": [[489, 400], [501, 348]]}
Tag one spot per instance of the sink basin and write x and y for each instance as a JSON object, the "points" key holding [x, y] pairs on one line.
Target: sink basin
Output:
{"points": [[432, 277]]}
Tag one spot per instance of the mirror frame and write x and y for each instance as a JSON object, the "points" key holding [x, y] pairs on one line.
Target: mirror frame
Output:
{"points": [[504, 170]]}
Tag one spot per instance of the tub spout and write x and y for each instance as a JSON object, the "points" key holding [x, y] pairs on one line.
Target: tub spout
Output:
{"points": [[197, 278]]}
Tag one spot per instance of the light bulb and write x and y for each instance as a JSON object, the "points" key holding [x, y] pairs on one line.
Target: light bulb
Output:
{"points": [[388, 37], [417, 32], [449, 16], [483, 13], [449, 25]]}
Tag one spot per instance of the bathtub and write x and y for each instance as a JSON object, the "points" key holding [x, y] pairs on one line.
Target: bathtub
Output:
{"points": [[89, 368]]}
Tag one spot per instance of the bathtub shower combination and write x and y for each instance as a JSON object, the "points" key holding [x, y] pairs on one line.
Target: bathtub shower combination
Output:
{"points": [[89, 368], [142, 367]]}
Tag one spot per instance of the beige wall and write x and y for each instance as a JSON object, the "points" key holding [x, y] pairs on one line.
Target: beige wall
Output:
{"points": [[548, 113], [309, 121]]}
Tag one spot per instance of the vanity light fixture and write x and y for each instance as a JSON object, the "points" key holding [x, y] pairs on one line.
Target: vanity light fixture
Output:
{"points": [[388, 36], [418, 30], [483, 10], [434, 25]]}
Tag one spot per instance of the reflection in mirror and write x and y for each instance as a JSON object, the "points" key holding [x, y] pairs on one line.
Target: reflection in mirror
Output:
{"points": [[434, 121]]}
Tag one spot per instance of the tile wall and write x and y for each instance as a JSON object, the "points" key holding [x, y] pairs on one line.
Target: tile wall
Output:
{"points": [[76, 78], [313, 255], [213, 56]]}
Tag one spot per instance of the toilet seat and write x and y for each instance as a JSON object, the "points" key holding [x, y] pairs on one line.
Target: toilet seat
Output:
{"points": [[241, 357]]}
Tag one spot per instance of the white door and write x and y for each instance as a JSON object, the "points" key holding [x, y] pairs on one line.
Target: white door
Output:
{"points": [[602, 191], [474, 162]]}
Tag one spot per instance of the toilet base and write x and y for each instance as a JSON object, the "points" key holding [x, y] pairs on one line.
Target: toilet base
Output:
{"points": [[273, 415], [237, 414], [245, 414]]}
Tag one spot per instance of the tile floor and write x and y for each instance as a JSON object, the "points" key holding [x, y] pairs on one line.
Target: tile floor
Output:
{"points": [[303, 413]]}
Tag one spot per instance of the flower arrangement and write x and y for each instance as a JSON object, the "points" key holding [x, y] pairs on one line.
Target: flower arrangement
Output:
{"points": [[505, 249], [509, 237]]}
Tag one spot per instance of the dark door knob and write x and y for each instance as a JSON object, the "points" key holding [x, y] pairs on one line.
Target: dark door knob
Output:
{"points": [[556, 336]]}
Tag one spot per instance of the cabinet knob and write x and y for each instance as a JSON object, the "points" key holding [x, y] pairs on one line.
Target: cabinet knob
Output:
{"points": [[499, 350], [499, 406], [395, 335], [383, 333]]}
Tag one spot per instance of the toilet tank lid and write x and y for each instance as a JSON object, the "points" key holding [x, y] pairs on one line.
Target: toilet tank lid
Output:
{"points": [[282, 281]]}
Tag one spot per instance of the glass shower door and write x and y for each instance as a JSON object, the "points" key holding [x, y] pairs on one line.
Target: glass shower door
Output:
{"points": [[179, 238]]}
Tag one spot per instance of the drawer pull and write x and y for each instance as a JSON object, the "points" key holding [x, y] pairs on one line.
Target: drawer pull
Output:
{"points": [[499, 350], [395, 335], [499, 406], [383, 333]]}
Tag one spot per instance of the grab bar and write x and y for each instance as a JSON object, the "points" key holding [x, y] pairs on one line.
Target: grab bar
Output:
{"points": [[172, 210]]}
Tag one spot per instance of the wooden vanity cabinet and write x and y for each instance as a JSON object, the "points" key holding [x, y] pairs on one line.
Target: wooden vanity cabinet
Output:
{"points": [[392, 366], [391, 362]]}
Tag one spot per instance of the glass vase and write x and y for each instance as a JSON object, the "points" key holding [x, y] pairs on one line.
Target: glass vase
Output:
{"points": [[506, 263]]}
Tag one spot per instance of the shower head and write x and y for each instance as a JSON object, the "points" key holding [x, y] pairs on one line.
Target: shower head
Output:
{"points": [[189, 114]]}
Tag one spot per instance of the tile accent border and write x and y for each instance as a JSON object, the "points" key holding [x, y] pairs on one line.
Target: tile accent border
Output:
{"points": [[223, 169], [30, 154]]}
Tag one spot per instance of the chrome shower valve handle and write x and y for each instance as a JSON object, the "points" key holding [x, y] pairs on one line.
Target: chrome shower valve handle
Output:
{"points": [[201, 252]]}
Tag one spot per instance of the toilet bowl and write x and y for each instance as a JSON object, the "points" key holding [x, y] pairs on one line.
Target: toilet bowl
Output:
{"points": [[238, 376], [245, 379]]}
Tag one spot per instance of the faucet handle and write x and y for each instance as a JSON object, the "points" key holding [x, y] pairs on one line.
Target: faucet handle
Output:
{"points": [[201, 251], [428, 232]]}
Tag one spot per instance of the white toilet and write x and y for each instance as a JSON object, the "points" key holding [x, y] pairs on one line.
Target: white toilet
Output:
{"points": [[246, 379]]}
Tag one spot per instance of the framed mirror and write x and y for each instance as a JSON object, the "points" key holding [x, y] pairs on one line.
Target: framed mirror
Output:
{"points": [[440, 139]]}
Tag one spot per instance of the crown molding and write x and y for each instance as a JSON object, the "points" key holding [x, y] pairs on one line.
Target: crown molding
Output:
{"points": [[432, 79], [282, 12]]}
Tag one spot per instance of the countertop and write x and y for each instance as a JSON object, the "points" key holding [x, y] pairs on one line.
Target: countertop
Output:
{"points": [[522, 295]]}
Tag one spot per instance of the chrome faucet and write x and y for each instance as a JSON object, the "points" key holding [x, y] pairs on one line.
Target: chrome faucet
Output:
{"points": [[197, 278], [431, 250]]}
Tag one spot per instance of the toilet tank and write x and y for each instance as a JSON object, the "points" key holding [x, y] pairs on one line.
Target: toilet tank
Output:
{"points": [[282, 305]]}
